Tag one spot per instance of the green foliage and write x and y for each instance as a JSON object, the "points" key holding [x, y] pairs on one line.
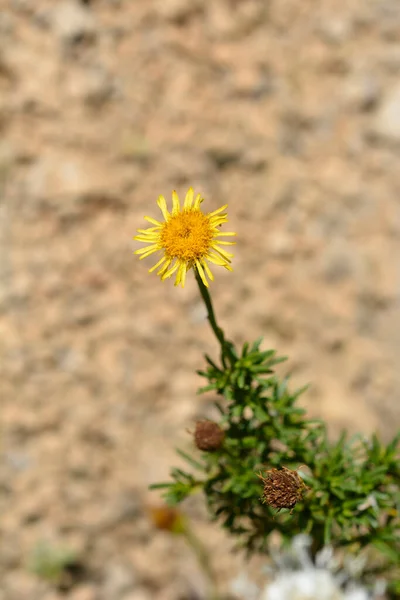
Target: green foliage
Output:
{"points": [[51, 562], [353, 496]]}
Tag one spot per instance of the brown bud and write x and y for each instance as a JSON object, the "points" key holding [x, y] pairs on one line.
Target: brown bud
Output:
{"points": [[208, 436], [283, 488], [167, 518]]}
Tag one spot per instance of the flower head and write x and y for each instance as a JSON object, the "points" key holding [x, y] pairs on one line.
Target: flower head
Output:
{"points": [[296, 575], [167, 518], [187, 238], [283, 488], [208, 436]]}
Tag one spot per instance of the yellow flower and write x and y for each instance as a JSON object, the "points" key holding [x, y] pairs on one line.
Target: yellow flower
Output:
{"points": [[187, 238]]}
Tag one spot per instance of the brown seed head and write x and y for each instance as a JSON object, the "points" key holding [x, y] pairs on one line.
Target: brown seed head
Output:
{"points": [[208, 436], [283, 488]]}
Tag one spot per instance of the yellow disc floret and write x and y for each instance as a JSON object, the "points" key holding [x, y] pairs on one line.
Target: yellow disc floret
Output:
{"points": [[187, 235]]}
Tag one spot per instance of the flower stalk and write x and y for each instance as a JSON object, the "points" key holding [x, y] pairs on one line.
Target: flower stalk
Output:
{"points": [[227, 349]]}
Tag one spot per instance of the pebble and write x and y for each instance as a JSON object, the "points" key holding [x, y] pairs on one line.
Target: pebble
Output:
{"points": [[119, 579], [251, 83], [86, 591], [386, 125], [337, 262], [93, 86], [224, 150], [281, 245], [335, 30], [72, 22], [226, 20], [362, 92], [177, 11]]}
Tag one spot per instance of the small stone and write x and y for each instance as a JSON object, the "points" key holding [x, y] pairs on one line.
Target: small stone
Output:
{"points": [[224, 150], [255, 159], [281, 245], [335, 30], [185, 164], [251, 82], [387, 120], [228, 20], [119, 580], [73, 22], [362, 92], [86, 591], [178, 11], [93, 86], [338, 262]]}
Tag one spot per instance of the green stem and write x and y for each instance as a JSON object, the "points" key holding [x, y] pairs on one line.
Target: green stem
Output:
{"points": [[219, 334], [226, 347], [204, 561]]}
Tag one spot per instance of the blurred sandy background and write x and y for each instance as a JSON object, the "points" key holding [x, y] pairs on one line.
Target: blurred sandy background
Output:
{"points": [[288, 111]]}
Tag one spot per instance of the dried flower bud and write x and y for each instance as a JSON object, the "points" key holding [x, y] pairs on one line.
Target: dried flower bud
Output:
{"points": [[167, 518], [283, 488], [208, 436]]}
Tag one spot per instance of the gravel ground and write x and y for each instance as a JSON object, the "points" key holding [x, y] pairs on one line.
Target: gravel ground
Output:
{"points": [[288, 111]]}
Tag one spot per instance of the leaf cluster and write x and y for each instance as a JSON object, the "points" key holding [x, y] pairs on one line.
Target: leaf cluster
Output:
{"points": [[353, 496]]}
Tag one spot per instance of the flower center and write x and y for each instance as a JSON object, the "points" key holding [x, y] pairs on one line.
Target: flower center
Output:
{"points": [[187, 235]]}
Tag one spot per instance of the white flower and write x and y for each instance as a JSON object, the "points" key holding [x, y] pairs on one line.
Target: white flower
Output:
{"points": [[296, 577], [309, 584], [243, 587]]}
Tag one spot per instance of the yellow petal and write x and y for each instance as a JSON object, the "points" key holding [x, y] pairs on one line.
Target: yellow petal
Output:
{"points": [[176, 207], [207, 270], [197, 202], [147, 238], [162, 205], [164, 267], [219, 220], [160, 262], [217, 260], [148, 230], [151, 220], [170, 271], [188, 198], [223, 253], [151, 248], [215, 212], [149, 251], [181, 275], [201, 273]]}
